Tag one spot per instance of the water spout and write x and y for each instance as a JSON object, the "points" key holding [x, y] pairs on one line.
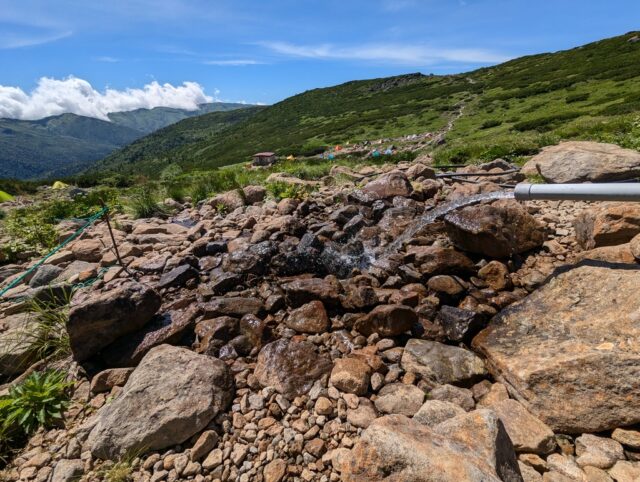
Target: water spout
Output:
{"points": [[629, 192]]}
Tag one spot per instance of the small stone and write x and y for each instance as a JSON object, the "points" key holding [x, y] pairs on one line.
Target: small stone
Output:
{"points": [[213, 460], [624, 471], [205, 443], [398, 398], [351, 375], [597, 451], [323, 406], [362, 416], [450, 393], [275, 471], [628, 438], [528, 433], [433, 412]]}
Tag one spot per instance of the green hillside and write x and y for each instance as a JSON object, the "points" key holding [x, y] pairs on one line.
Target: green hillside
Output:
{"points": [[66, 144], [174, 142], [150, 120], [509, 110]]}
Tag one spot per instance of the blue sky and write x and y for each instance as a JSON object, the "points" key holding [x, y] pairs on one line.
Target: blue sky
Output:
{"points": [[264, 51]]}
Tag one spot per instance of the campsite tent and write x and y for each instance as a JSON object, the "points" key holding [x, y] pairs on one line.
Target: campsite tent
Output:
{"points": [[5, 197], [59, 185]]}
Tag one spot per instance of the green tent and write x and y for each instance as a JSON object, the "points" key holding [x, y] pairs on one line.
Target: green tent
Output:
{"points": [[4, 197]]}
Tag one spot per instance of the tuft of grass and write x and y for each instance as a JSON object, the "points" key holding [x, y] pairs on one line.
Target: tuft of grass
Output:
{"points": [[50, 337], [121, 470], [144, 203], [283, 190]]}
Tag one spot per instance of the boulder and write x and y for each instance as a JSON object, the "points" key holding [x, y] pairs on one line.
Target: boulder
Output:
{"points": [[498, 230], [67, 470], [468, 448], [583, 161], [566, 351], [254, 194], [598, 452], [178, 276], [102, 319], [435, 260], [291, 367], [398, 398], [230, 200], [607, 224], [172, 395], [89, 250], [528, 433], [16, 347], [437, 363], [304, 290], [309, 318], [351, 375], [168, 328], [44, 275], [387, 320], [391, 184], [434, 412]]}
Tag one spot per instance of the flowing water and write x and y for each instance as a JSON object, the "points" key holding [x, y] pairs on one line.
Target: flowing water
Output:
{"points": [[441, 211]]}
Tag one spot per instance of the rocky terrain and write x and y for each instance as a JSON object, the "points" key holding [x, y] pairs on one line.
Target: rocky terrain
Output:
{"points": [[287, 341]]}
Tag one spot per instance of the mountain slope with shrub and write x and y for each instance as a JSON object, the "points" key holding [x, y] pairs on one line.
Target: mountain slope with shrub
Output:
{"points": [[511, 110], [66, 144]]}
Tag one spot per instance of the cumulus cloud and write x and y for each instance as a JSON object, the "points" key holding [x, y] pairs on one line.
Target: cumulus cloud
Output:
{"points": [[233, 62], [77, 96], [415, 55]]}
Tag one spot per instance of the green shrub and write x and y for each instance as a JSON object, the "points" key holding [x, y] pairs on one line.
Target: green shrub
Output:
{"points": [[144, 203], [488, 124], [546, 123], [283, 190], [39, 401], [577, 97]]}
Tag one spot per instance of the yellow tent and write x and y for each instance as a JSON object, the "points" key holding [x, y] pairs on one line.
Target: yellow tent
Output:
{"points": [[59, 185], [4, 197], [291, 158]]}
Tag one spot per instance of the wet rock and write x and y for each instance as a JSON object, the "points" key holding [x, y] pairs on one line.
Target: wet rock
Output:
{"points": [[394, 183], [498, 230], [398, 398], [564, 350], [102, 319], [177, 276], [583, 161], [528, 433], [233, 306], [434, 260], [459, 324], [291, 367], [387, 320], [439, 364], [172, 395], [351, 375], [304, 290], [309, 318], [607, 224], [467, 448], [434, 412]]}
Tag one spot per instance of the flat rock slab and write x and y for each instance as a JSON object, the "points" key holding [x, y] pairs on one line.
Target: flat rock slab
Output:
{"points": [[569, 352], [172, 395], [580, 161]]}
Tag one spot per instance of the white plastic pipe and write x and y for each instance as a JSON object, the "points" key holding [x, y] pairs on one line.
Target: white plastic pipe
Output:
{"points": [[579, 192]]}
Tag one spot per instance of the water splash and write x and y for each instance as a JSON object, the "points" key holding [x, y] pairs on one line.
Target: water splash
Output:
{"points": [[441, 211]]}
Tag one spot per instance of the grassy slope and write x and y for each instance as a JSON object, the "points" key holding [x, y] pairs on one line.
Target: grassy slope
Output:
{"points": [[510, 110], [166, 145]]}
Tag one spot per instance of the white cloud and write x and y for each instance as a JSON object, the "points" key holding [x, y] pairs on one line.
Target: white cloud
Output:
{"points": [[15, 40], [415, 55], [53, 97], [233, 63], [106, 58]]}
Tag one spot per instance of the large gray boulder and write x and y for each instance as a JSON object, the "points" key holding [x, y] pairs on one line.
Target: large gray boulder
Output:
{"points": [[291, 367], [100, 320], [470, 447], [437, 363], [584, 161], [173, 394], [499, 230], [568, 351], [17, 333]]}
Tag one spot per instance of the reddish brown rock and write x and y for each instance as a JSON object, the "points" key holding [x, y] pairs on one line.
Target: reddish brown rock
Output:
{"points": [[387, 320], [607, 224], [309, 318]]}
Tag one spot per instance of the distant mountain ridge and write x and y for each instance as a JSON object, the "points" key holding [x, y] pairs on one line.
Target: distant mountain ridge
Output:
{"points": [[66, 144]]}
